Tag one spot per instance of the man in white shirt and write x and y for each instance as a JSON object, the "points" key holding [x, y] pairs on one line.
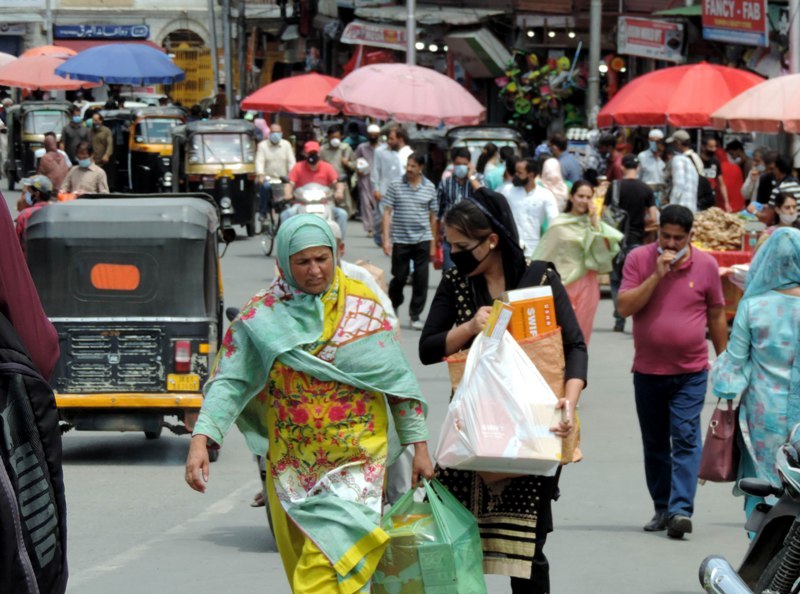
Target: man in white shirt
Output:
{"points": [[651, 161], [389, 164], [532, 205], [274, 160]]}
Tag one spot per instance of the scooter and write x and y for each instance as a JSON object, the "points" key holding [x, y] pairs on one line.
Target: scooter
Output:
{"points": [[772, 562]]}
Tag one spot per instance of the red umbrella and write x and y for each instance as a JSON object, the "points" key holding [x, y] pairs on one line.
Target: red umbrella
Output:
{"points": [[38, 73], [302, 95], [763, 108], [406, 93], [49, 50], [681, 96]]}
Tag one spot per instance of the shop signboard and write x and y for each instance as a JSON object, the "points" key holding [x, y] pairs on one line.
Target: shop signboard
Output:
{"points": [[101, 31], [375, 34], [651, 38], [736, 21]]}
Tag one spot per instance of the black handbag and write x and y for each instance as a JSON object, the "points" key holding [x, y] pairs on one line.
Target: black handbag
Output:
{"points": [[613, 214]]}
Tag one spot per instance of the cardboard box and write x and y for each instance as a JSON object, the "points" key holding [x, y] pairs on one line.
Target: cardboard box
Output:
{"points": [[498, 320], [533, 311]]}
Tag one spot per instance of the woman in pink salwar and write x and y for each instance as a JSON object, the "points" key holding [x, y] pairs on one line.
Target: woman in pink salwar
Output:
{"points": [[581, 246]]}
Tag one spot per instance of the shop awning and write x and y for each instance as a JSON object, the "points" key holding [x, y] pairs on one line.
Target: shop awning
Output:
{"points": [[81, 44], [430, 15], [480, 53], [693, 10]]}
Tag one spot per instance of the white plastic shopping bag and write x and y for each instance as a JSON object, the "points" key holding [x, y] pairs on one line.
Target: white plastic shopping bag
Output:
{"points": [[500, 417]]}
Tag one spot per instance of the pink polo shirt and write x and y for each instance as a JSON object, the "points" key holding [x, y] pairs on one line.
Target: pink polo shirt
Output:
{"points": [[669, 333]]}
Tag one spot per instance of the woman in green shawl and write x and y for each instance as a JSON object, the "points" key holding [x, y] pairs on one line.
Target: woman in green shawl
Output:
{"points": [[311, 372], [581, 246]]}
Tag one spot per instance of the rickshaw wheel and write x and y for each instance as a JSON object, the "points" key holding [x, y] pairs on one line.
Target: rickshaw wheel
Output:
{"points": [[153, 434], [10, 178]]}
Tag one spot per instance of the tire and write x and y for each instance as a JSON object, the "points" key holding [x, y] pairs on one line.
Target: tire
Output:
{"points": [[10, 180], [269, 231], [769, 573], [153, 434], [251, 229]]}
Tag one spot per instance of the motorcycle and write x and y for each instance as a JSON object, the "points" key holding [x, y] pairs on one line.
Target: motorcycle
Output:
{"points": [[772, 562], [314, 199]]}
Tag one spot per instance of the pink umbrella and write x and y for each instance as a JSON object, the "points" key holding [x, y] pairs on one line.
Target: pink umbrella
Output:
{"points": [[6, 58], [302, 95], [763, 108], [406, 93], [49, 50], [38, 73]]}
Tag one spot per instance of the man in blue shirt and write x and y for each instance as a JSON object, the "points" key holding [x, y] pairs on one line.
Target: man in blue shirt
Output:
{"points": [[571, 169]]}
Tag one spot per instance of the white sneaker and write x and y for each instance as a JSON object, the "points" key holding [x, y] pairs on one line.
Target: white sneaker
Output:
{"points": [[417, 325]]}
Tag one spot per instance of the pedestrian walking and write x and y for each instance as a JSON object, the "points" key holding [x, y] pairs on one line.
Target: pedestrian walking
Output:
{"points": [[103, 147], [533, 206], [309, 332], [637, 199], [712, 171], [684, 167], [581, 246], [409, 226], [340, 155], [366, 193], [274, 160], [85, 177], [515, 515], [571, 169], [674, 294], [761, 362], [54, 163], [460, 185], [74, 133], [389, 165], [652, 167]]}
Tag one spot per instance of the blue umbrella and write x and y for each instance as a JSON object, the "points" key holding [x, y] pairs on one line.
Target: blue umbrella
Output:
{"points": [[122, 63]]}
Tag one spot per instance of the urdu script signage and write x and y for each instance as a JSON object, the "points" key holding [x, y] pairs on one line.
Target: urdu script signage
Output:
{"points": [[101, 31]]}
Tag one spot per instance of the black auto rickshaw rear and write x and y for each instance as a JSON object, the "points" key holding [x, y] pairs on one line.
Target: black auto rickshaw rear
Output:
{"points": [[27, 124], [218, 157], [133, 287]]}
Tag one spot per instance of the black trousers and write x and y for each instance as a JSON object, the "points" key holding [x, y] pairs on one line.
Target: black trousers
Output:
{"points": [[402, 255]]}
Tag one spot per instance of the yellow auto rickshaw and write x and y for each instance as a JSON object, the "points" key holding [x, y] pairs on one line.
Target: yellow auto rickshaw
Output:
{"points": [[150, 149]]}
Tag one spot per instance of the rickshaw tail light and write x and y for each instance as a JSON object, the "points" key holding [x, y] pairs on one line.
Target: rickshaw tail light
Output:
{"points": [[183, 356]]}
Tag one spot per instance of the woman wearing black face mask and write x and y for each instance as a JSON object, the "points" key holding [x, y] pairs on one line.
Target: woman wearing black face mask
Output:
{"points": [[488, 261]]}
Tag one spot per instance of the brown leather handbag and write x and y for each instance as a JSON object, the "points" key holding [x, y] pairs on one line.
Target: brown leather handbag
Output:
{"points": [[720, 460]]}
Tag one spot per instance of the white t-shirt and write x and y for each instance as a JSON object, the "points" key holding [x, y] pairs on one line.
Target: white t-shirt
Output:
{"points": [[531, 211]]}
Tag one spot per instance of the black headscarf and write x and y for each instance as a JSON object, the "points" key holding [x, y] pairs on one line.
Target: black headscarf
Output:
{"points": [[495, 207]]}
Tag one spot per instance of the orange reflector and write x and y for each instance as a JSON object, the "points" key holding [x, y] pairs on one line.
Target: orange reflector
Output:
{"points": [[202, 348], [115, 277]]}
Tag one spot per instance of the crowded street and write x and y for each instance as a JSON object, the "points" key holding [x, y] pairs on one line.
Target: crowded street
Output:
{"points": [[134, 526]]}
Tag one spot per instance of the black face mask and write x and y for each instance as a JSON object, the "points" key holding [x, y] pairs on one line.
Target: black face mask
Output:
{"points": [[312, 159], [373, 139], [465, 261], [518, 182]]}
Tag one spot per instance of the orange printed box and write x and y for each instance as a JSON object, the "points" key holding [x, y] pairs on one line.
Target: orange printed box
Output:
{"points": [[533, 311]]}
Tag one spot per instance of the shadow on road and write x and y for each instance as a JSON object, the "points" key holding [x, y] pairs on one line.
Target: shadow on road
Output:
{"points": [[129, 449], [245, 539]]}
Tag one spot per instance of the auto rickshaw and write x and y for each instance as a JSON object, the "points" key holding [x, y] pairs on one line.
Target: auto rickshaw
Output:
{"points": [[119, 122], [475, 137], [218, 157], [150, 149], [27, 124], [132, 285]]}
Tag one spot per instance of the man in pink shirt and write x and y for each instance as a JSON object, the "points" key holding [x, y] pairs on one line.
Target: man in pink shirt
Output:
{"points": [[673, 292]]}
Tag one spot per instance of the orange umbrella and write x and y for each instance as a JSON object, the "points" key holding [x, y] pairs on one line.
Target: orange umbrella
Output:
{"points": [[49, 50], [302, 95], [38, 73]]}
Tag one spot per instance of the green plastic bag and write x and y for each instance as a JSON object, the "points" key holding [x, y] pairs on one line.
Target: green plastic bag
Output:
{"points": [[435, 547]]}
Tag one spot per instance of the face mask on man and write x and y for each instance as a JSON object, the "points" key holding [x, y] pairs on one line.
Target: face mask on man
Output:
{"points": [[28, 198], [653, 146], [460, 171], [466, 262], [76, 119], [84, 163], [788, 219], [373, 139], [312, 159], [518, 182], [275, 137], [335, 142]]}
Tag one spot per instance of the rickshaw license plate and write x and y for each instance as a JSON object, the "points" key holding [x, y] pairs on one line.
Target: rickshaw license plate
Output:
{"points": [[178, 382], [315, 209], [208, 183]]}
